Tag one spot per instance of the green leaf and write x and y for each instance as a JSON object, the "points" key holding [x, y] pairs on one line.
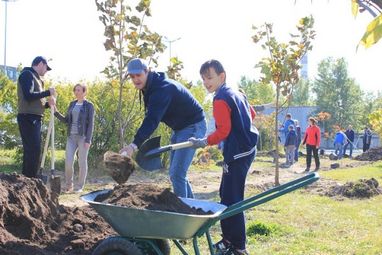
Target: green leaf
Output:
{"points": [[373, 33], [354, 7]]}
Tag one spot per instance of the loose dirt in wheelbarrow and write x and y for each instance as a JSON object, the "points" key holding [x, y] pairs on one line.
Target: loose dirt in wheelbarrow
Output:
{"points": [[149, 196]]}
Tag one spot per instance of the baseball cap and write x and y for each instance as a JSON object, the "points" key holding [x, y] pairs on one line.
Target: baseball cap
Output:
{"points": [[37, 60], [136, 66]]}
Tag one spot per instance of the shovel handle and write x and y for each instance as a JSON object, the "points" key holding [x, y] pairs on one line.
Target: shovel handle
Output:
{"points": [[178, 146]]}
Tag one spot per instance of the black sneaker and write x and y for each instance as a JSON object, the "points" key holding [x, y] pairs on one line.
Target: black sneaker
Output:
{"points": [[306, 170], [222, 247], [316, 169]]}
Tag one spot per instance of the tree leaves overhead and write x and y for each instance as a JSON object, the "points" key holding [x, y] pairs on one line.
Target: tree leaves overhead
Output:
{"points": [[373, 32]]}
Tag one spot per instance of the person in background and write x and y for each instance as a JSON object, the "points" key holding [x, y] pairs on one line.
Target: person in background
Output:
{"points": [[80, 122], [312, 139], [284, 128], [350, 141], [298, 142], [339, 142], [234, 125], [366, 139], [290, 145], [167, 101], [31, 103]]}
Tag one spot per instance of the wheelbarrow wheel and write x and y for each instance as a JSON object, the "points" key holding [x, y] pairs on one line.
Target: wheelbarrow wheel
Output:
{"points": [[117, 245], [164, 246]]}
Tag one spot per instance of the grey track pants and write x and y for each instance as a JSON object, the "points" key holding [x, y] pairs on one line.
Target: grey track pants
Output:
{"points": [[74, 143]]}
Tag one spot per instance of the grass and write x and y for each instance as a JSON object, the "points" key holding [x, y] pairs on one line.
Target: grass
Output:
{"points": [[352, 174]]}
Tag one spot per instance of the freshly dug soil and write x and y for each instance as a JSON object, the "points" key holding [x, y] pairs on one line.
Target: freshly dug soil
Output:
{"points": [[372, 154], [360, 189], [32, 222], [119, 167], [151, 197]]}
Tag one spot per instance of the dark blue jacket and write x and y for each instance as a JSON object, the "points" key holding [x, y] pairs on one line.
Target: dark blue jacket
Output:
{"points": [[350, 135], [242, 139], [291, 138], [169, 102]]}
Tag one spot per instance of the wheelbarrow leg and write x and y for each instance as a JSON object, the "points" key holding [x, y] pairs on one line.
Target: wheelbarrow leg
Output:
{"points": [[180, 247], [195, 244], [210, 244]]}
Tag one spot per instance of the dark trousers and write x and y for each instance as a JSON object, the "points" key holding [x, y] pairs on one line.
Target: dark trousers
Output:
{"points": [[309, 150], [351, 148], [231, 192], [30, 131], [366, 147]]}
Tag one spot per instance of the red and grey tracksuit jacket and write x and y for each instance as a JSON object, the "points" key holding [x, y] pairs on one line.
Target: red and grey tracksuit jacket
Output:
{"points": [[233, 119]]}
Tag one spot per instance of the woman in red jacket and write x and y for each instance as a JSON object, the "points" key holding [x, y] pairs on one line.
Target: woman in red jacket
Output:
{"points": [[312, 140]]}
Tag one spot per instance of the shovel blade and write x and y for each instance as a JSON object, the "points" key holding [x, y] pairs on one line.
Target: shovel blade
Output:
{"points": [[149, 163], [55, 183]]}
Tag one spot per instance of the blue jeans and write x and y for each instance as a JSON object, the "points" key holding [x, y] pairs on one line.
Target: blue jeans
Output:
{"points": [[180, 160], [338, 150], [351, 148]]}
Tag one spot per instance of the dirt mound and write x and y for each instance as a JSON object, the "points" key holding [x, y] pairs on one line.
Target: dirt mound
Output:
{"points": [[360, 189], [151, 197], [373, 154], [120, 167], [32, 222]]}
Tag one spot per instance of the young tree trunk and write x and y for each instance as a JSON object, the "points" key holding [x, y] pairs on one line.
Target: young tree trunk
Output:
{"points": [[277, 179]]}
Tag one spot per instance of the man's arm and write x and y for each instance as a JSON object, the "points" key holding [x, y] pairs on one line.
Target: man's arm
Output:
{"points": [[157, 107], [26, 84]]}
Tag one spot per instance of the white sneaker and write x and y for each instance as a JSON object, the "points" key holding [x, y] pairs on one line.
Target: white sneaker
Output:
{"points": [[79, 191]]}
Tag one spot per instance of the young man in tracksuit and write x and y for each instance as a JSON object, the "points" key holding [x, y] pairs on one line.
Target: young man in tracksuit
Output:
{"points": [[167, 101], [233, 116], [31, 105]]}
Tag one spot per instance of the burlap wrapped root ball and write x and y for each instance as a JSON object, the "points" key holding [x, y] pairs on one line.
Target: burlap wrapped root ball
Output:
{"points": [[118, 166]]}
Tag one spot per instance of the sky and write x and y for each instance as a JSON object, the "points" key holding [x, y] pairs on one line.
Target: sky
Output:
{"points": [[70, 33]]}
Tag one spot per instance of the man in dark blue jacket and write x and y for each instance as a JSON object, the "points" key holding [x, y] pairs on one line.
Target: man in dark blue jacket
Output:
{"points": [[31, 105], [167, 101], [350, 138]]}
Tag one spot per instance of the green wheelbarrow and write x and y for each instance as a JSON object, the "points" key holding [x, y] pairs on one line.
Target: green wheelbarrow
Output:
{"points": [[146, 232]]}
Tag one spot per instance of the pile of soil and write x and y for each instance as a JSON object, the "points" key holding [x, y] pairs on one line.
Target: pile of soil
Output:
{"points": [[32, 222], [119, 167], [372, 154], [361, 189], [151, 197]]}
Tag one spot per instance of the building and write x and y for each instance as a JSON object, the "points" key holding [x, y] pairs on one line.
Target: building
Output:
{"points": [[11, 72]]}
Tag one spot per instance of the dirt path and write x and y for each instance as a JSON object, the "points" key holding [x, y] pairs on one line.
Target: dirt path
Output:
{"points": [[206, 183]]}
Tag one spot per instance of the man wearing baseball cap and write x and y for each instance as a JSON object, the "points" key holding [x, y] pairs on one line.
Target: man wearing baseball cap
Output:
{"points": [[167, 101], [31, 105]]}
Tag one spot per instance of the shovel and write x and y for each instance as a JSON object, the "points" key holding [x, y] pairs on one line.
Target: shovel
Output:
{"points": [[55, 181], [148, 156], [40, 174]]}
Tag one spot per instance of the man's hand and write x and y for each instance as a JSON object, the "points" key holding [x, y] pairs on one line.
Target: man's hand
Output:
{"points": [[87, 145], [128, 150], [52, 91], [198, 142], [52, 101]]}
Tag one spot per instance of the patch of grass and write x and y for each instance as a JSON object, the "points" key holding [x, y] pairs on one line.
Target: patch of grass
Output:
{"points": [[262, 231], [354, 174]]}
